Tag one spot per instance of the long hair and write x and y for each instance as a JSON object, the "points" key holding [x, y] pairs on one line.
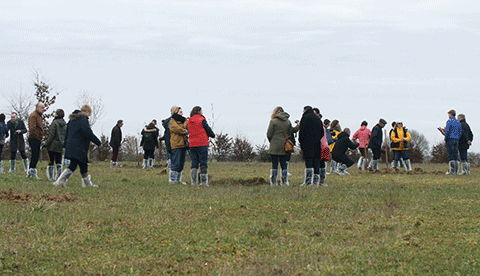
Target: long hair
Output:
{"points": [[334, 123], [2, 118], [276, 111], [196, 110]]}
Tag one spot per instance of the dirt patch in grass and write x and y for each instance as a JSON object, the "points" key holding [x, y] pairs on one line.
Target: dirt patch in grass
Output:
{"points": [[397, 171], [257, 181], [11, 196]]}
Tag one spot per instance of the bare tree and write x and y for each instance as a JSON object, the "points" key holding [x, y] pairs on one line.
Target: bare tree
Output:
{"points": [[20, 102], [95, 101], [43, 93], [419, 147]]}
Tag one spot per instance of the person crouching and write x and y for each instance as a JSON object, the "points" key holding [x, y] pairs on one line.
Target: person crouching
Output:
{"points": [[340, 149]]}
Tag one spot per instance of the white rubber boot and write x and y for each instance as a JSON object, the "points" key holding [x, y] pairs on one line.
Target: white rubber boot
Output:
{"points": [[59, 168], [194, 176], [50, 172], [273, 177], [308, 177], [62, 180], [87, 182]]}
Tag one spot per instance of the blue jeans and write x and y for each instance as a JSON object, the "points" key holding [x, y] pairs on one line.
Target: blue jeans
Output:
{"points": [[452, 149], [178, 159], [397, 154], [199, 155], [463, 155]]}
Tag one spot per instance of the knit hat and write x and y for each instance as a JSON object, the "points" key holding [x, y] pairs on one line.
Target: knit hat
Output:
{"points": [[174, 109]]}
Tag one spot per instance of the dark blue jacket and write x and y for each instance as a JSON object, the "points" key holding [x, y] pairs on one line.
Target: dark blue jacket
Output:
{"points": [[166, 134], [79, 135], [453, 130], [377, 138]]}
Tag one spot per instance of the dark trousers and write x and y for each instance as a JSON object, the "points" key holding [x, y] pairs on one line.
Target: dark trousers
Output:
{"points": [[463, 155], [148, 154], [115, 153], [344, 159], [199, 156], [35, 148], [397, 154], [279, 158], [54, 157], [83, 166], [377, 153], [178, 159], [452, 149], [315, 164], [13, 154]]}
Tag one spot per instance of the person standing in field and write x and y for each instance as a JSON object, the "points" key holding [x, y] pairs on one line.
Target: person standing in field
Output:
{"points": [[116, 142], [166, 138], [453, 132], [339, 152], [35, 135], [362, 135], [310, 137], [464, 144], [3, 136], [55, 141], [328, 135], [400, 138], [335, 130], [17, 129], [198, 133], [149, 143], [78, 138], [279, 130], [178, 142], [375, 144]]}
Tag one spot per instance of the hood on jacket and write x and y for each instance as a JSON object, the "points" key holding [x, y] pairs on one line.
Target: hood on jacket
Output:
{"points": [[283, 116], [77, 114]]}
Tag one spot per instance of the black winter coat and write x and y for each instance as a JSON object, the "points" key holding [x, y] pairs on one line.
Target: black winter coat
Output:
{"points": [[377, 138], [342, 145], [166, 134], [467, 135], [116, 137], [79, 136], [310, 135], [149, 139], [17, 142]]}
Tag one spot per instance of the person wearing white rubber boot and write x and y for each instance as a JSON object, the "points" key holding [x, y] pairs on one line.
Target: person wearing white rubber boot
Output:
{"points": [[339, 152], [452, 132], [363, 135], [278, 132], [17, 142], [310, 137], [400, 138], [3, 135], [464, 144], [198, 134], [79, 136], [54, 144], [178, 142], [375, 143], [149, 143]]}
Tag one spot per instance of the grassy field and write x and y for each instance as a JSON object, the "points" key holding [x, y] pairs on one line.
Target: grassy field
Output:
{"points": [[136, 223]]}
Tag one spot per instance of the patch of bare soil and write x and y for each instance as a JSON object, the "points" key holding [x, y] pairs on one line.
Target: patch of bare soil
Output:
{"points": [[415, 171], [11, 196], [257, 181]]}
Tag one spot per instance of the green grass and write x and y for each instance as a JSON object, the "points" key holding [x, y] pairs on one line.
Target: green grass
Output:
{"points": [[136, 223]]}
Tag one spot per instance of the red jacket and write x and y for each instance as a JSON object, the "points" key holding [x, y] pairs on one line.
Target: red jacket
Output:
{"points": [[197, 135], [363, 136]]}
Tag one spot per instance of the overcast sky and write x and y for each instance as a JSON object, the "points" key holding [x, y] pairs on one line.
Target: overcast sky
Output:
{"points": [[354, 60]]}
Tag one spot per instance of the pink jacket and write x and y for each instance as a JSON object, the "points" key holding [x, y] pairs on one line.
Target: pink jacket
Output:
{"points": [[363, 136]]}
